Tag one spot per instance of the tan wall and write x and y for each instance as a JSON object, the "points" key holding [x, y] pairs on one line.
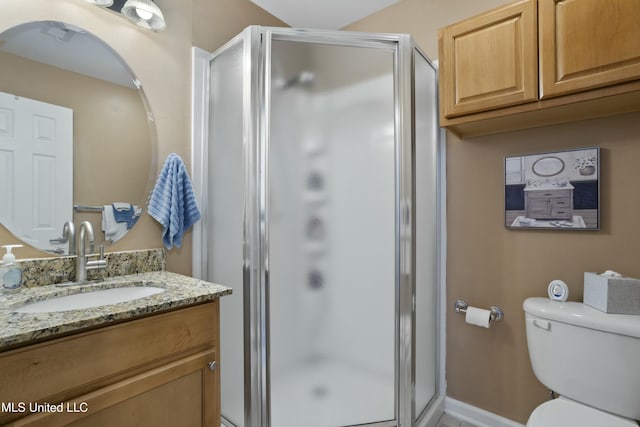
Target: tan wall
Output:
{"points": [[490, 265], [162, 62], [216, 21]]}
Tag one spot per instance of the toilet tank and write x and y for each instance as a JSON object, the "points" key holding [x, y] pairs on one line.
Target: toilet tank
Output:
{"points": [[586, 355]]}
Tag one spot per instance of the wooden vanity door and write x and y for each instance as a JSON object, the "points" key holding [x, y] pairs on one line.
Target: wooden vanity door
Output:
{"points": [[182, 393], [586, 44], [178, 394]]}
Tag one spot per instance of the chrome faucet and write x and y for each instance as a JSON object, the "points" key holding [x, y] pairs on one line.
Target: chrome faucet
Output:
{"points": [[82, 265]]}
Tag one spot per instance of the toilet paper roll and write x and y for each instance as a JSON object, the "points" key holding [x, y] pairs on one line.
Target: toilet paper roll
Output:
{"points": [[478, 316]]}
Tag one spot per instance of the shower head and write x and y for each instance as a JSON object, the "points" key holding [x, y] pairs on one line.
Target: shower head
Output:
{"points": [[303, 78]]}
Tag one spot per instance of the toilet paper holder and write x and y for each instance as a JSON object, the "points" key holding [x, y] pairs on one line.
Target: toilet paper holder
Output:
{"points": [[496, 312]]}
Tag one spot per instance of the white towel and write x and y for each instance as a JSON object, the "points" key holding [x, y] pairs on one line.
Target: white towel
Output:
{"points": [[113, 231]]}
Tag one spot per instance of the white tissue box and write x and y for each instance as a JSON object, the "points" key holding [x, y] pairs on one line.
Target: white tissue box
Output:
{"points": [[620, 295]]}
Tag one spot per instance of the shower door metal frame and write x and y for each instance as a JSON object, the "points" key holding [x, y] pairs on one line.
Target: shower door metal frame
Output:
{"points": [[257, 405], [406, 248], [256, 112]]}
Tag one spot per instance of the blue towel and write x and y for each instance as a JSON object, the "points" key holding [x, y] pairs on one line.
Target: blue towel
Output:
{"points": [[126, 212], [173, 203]]}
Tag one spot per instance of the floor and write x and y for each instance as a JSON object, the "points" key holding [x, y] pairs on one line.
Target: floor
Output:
{"points": [[448, 421], [445, 420]]}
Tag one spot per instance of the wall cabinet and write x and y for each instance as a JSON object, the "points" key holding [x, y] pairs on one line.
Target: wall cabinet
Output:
{"points": [[489, 61], [539, 62], [161, 370], [586, 44]]}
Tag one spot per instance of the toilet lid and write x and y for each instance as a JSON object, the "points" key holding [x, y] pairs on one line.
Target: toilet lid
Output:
{"points": [[566, 413]]}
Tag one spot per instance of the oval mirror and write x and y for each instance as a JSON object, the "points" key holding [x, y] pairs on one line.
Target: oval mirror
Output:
{"points": [[548, 166], [76, 139]]}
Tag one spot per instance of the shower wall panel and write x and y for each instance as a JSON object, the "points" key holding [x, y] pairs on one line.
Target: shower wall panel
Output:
{"points": [[426, 155], [362, 309], [225, 211]]}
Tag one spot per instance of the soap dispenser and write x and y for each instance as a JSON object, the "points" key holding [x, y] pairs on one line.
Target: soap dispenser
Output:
{"points": [[10, 270]]}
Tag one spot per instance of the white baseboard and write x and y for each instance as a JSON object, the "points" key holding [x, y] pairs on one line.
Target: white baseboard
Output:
{"points": [[477, 416]]}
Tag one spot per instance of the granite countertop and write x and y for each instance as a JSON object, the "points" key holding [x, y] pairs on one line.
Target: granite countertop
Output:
{"points": [[18, 329]]}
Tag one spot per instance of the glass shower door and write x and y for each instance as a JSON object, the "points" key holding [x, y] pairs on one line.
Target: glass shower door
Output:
{"points": [[331, 234], [225, 208]]}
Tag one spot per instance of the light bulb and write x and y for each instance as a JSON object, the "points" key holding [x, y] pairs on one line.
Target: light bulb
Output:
{"points": [[144, 14]]}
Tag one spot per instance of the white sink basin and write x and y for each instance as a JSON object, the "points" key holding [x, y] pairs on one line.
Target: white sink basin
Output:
{"points": [[89, 299]]}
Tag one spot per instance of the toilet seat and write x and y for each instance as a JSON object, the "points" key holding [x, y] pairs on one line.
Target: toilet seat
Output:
{"points": [[567, 413]]}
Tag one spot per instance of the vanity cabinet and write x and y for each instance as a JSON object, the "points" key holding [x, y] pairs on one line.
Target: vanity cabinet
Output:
{"points": [[539, 62], [549, 203], [161, 370]]}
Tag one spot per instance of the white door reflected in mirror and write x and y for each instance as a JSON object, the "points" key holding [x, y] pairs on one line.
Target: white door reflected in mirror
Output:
{"points": [[36, 169]]}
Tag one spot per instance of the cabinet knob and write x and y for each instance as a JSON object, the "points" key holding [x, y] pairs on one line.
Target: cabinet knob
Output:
{"points": [[212, 365]]}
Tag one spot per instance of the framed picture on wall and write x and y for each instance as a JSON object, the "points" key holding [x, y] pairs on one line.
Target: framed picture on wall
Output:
{"points": [[556, 190]]}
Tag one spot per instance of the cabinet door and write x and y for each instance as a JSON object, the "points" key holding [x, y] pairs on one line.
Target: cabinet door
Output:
{"points": [[586, 44], [489, 61], [182, 393], [538, 208]]}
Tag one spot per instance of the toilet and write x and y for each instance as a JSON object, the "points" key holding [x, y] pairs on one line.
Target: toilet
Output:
{"points": [[591, 359]]}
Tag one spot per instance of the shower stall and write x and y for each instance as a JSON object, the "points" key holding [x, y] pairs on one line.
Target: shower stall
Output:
{"points": [[319, 173]]}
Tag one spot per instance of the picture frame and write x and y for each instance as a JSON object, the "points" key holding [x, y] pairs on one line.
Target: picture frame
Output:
{"points": [[557, 190]]}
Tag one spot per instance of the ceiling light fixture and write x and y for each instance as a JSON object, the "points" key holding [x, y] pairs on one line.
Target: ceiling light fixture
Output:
{"points": [[144, 13], [103, 3]]}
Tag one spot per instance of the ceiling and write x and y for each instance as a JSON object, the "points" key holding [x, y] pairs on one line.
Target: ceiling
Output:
{"points": [[322, 14]]}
